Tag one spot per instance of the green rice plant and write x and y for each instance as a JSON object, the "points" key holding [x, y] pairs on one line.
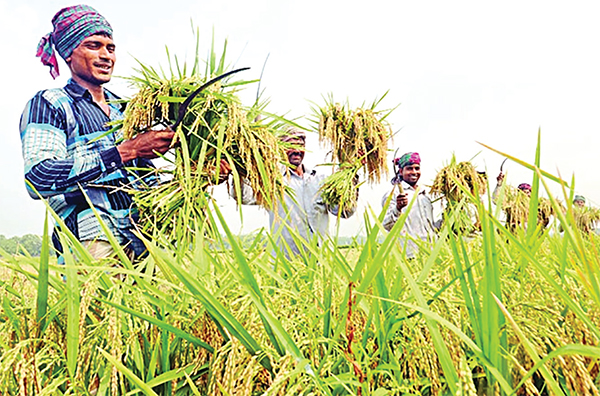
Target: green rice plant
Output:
{"points": [[496, 313]]}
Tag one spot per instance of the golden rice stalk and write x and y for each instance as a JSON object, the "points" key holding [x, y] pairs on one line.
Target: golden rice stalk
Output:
{"points": [[451, 178], [356, 135], [586, 217], [516, 208]]}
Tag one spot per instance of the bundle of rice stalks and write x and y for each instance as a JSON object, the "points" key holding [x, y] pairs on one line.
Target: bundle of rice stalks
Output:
{"points": [[545, 211], [336, 190], [215, 127], [358, 139], [516, 207], [586, 217], [359, 135], [451, 178], [452, 182]]}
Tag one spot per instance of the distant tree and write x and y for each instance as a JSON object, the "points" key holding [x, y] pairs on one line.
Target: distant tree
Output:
{"points": [[32, 244], [14, 245], [9, 245]]}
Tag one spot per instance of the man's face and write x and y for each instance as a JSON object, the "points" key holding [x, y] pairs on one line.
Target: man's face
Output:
{"points": [[411, 174], [295, 152], [579, 203], [93, 61]]}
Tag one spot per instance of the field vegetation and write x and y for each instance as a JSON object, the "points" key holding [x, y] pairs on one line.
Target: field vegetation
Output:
{"points": [[498, 312]]}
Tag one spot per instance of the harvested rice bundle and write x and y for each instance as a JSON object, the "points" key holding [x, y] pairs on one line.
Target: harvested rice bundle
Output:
{"points": [[358, 139], [336, 190], [451, 178], [450, 183], [215, 127], [586, 217], [359, 135], [516, 207], [545, 211]]}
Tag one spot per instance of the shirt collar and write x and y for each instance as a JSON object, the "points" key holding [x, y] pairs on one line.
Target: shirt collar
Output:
{"points": [[407, 186], [79, 92], [287, 171]]}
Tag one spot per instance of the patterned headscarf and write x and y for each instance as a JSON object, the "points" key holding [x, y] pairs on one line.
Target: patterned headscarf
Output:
{"points": [[524, 186], [72, 25], [407, 159]]}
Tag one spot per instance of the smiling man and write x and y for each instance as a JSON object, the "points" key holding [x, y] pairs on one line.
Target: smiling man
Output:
{"points": [[68, 149], [419, 221]]}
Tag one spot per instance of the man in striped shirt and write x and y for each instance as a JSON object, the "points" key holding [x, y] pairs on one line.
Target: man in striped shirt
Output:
{"points": [[68, 148]]}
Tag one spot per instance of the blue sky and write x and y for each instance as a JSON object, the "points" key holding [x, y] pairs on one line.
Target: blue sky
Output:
{"points": [[463, 72]]}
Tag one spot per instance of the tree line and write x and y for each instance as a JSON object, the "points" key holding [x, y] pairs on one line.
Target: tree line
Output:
{"points": [[29, 243]]}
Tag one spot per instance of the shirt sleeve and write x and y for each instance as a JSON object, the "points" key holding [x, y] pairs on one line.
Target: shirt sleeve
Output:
{"points": [[247, 194], [48, 166], [392, 213]]}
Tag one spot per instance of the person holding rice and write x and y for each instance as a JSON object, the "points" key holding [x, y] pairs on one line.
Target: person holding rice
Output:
{"points": [[419, 224], [525, 188], [586, 217], [301, 215], [68, 147], [515, 205]]}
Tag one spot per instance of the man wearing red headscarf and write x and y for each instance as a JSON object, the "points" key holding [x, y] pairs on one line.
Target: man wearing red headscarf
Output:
{"points": [[69, 149], [419, 224]]}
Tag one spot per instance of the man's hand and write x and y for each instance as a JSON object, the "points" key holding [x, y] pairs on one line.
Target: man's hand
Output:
{"points": [[362, 156], [500, 178], [401, 201], [224, 170], [146, 145]]}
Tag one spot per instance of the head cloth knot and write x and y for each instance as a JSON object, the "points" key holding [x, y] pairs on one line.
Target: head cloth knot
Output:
{"points": [[71, 26]]}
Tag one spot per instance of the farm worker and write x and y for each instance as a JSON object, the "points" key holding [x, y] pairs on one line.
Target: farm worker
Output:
{"points": [[516, 206], [419, 222], [523, 187], [579, 200], [302, 215], [585, 218], [67, 149]]}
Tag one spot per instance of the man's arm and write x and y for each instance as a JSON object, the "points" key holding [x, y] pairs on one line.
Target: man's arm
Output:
{"points": [[499, 181], [146, 145], [52, 170], [247, 196], [392, 213], [394, 210]]}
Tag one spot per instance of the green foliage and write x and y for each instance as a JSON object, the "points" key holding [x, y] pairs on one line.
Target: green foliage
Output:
{"points": [[32, 244]]}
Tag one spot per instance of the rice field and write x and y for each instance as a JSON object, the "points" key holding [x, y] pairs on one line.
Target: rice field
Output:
{"points": [[496, 313], [501, 311]]}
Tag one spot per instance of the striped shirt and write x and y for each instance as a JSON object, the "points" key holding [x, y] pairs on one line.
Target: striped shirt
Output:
{"points": [[69, 150]]}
